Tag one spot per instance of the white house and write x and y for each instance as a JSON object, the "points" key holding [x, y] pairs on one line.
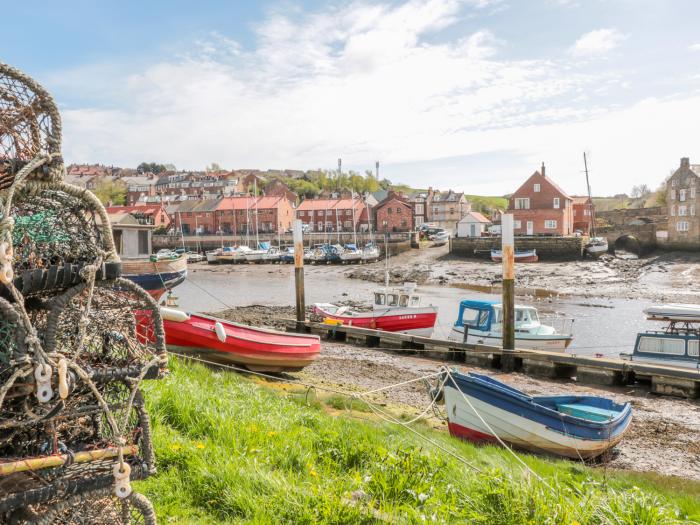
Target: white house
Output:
{"points": [[473, 224]]}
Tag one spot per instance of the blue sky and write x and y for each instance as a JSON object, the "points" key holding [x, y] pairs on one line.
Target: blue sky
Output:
{"points": [[469, 94]]}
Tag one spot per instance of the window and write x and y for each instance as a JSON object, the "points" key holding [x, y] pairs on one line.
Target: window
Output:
{"points": [[673, 183], [681, 195], [403, 301], [320, 227], [392, 299], [587, 211], [682, 211], [555, 203], [436, 210], [347, 224], [320, 213], [419, 209], [390, 210], [418, 221], [550, 225], [673, 211], [537, 188], [379, 298], [522, 204], [452, 210], [692, 192], [517, 225], [385, 224], [398, 210], [682, 226], [673, 195], [143, 242], [692, 209]]}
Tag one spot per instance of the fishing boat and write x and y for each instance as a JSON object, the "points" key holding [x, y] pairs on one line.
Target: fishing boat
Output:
{"points": [[273, 255], [393, 310], [351, 254], [233, 255], [677, 344], [479, 408], [370, 252], [484, 323], [255, 256], [257, 349], [156, 275], [524, 256]]}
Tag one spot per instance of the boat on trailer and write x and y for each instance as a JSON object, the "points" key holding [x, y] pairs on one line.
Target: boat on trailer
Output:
{"points": [[156, 275], [484, 324], [677, 344], [479, 408], [257, 349], [524, 256], [393, 310]]}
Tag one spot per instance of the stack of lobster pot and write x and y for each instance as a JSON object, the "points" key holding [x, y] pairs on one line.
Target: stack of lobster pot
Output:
{"points": [[76, 340]]}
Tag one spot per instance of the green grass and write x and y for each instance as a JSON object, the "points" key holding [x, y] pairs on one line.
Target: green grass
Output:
{"points": [[233, 451], [487, 204]]}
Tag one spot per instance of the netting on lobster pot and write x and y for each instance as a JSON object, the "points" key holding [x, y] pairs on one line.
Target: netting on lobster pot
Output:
{"points": [[114, 325], [30, 128]]}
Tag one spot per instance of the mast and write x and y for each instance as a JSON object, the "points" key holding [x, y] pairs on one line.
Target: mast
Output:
{"points": [[591, 210], [235, 231], [337, 226], [182, 233], [354, 232], [255, 203], [386, 261]]}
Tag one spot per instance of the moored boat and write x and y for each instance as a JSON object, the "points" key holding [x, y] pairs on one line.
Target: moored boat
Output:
{"points": [[212, 256], [677, 345], [194, 257], [156, 275], [479, 408], [351, 253], [524, 256], [394, 310], [256, 256], [257, 349], [597, 246], [287, 255], [484, 323], [370, 253], [233, 255]]}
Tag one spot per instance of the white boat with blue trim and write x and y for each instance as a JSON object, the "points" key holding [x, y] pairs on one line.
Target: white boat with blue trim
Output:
{"points": [[484, 410], [677, 344], [484, 323]]}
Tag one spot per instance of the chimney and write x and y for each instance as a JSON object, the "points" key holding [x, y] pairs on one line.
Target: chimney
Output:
{"points": [[542, 170], [685, 162]]}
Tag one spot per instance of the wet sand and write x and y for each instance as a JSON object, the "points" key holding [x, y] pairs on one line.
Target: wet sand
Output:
{"points": [[662, 439]]}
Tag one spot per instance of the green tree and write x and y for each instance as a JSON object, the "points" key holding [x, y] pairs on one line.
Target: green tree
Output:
{"points": [[111, 191], [213, 167], [151, 167]]}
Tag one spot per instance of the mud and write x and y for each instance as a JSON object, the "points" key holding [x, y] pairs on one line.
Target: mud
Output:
{"points": [[662, 438]]}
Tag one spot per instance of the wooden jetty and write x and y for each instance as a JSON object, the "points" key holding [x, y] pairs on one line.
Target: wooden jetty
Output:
{"points": [[663, 380]]}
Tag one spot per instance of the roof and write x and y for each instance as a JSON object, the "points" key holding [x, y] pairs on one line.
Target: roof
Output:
{"points": [[447, 196], [247, 202], [539, 175], [146, 210], [580, 200], [475, 216], [380, 195], [330, 204]]}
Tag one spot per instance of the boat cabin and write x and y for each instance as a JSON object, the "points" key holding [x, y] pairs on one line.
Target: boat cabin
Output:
{"points": [[487, 316], [405, 297]]}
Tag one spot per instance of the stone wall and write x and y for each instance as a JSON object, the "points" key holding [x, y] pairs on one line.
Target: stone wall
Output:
{"points": [[622, 218], [548, 248]]}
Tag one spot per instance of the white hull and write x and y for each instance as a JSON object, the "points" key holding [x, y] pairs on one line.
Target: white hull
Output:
{"points": [[518, 431], [554, 343], [212, 258], [660, 361], [350, 257], [675, 312]]}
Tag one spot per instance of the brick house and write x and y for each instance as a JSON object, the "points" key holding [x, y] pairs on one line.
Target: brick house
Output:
{"points": [[393, 214], [332, 215], [583, 214], [540, 207], [153, 214], [277, 188], [421, 202], [682, 199], [447, 208]]}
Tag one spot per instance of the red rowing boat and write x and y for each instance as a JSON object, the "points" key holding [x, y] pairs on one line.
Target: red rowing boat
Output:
{"points": [[394, 310], [257, 349]]}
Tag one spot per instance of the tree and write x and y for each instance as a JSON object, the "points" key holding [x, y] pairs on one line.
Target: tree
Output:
{"points": [[642, 190], [151, 167], [213, 167], [110, 191]]}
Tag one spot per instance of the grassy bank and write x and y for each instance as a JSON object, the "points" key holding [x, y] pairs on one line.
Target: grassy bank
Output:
{"points": [[232, 451]]}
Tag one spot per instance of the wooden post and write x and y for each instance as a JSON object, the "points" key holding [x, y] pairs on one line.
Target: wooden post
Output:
{"points": [[508, 254], [299, 274]]}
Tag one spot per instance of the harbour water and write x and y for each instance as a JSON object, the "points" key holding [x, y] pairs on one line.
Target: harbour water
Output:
{"points": [[601, 326]]}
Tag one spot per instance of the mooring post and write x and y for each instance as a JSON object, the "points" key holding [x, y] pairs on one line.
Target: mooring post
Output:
{"points": [[299, 274], [508, 254]]}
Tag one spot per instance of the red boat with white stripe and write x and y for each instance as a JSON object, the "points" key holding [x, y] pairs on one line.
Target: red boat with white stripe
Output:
{"points": [[394, 310], [257, 349]]}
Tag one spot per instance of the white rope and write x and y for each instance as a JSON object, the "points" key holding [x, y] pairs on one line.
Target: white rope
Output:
{"points": [[525, 466], [408, 382]]}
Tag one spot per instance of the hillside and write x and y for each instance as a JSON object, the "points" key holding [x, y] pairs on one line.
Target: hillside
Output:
{"points": [[235, 450]]}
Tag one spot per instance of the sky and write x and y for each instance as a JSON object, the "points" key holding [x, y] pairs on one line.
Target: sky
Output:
{"points": [[471, 95]]}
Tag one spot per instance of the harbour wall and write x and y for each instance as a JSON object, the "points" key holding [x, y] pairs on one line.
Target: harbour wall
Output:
{"points": [[548, 248]]}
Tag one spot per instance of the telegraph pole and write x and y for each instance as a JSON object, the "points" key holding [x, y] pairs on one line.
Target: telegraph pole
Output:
{"points": [[299, 274], [508, 255]]}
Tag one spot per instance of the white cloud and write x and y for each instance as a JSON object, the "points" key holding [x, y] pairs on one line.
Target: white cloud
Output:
{"points": [[597, 42], [694, 47], [366, 82]]}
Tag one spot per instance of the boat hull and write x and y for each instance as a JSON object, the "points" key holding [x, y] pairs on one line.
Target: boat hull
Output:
{"points": [[254, 348], [519, 257], [156, 277], [415, 321], [523, 426], [553, 343]]}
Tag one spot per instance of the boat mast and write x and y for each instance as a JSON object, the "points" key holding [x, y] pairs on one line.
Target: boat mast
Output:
{"points": [[354, 231], [255, 203], [235, 234], [591, 210], [386, 261], [182, 233], [247, 220]]}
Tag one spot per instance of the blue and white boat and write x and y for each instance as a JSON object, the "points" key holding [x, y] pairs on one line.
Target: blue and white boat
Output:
{"points": [[351, 253], [479, 408], [484, 322], [678, 344], [287, 255]]}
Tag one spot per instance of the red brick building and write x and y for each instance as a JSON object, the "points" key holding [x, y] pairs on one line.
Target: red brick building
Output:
{"points": [[332, 215], [540, 207], [153, 214], [393, 214], [583, 214]]}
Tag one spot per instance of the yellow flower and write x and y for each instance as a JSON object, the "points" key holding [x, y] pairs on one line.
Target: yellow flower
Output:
{"points": [[271, 433], [199, 445], [575, 523], [175, 447], [313, 473]]}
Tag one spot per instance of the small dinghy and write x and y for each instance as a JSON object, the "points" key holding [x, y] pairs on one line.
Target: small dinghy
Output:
{"points": [[576, 427], [525, 256], [257, 349]]}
